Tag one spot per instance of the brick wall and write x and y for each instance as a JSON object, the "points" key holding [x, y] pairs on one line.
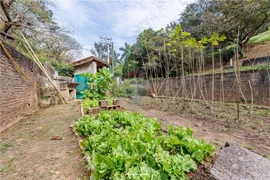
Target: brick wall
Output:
{"points": [[259, 80], [17, 95]]}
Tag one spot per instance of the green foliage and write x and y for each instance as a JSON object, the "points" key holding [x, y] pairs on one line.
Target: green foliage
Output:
{"points": [[228, 53], [124, 90], [91, 103], [126, 52], [99, 84], [2, 169], [242, 68], [265, 36], [126, 145], [215, 39], [203, 18], [164, 51], [88, 103], [255, 67], [181, 139], [118, 70], [63, 68], [35, 20]]}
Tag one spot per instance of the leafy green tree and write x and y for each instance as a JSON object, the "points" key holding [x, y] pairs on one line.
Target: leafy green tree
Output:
{"points": [[205, 17], [126, 52], [63, 69], [118, 70]]}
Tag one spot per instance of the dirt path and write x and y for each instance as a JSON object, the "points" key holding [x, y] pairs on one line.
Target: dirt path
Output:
{"points": [[167, 118], [27, 151]]}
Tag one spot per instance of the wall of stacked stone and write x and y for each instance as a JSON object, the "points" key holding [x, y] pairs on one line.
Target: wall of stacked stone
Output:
{"points": [[18, 96], [199, 87]]}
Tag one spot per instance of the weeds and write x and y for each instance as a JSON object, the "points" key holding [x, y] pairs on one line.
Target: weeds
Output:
{"points": [[5, 145], [261, 112], [2, 169], [225, 113]]}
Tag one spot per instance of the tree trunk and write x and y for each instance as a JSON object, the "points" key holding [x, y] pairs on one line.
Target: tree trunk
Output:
{"points": [[241, 50], [3, 18]]}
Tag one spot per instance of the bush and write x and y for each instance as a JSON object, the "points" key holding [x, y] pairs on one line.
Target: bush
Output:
{"points": [[63, 69], [88, 103], [99, 84], [118, 70], [91, 103], [125, 89], [228, 53]]}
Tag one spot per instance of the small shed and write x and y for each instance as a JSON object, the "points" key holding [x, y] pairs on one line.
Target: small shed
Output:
{"points": [[89, 64]]}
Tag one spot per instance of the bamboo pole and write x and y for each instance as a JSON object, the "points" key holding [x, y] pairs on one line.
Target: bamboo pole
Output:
{"points": [[35, 58], [251, 96], [41, 69]]}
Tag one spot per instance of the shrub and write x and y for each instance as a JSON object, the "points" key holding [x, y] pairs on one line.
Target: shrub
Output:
{"points": [[99, 84], [88, 103], [125, 89], [63, 69], [228, 53]]}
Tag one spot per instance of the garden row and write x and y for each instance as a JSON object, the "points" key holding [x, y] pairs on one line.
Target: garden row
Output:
{"points": [[126, 145]]}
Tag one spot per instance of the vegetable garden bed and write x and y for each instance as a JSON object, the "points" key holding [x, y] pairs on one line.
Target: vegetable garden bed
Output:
{"points": [[126, 145]]}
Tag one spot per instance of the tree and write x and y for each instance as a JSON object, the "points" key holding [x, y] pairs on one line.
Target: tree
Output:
{"points": [[126, 52], [61, 47], [118, 70], [226, 17], [100, 50], [27, 14], [34, 19]]}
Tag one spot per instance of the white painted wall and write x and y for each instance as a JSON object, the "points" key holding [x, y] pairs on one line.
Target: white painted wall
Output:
{"points": [[91, 68]]}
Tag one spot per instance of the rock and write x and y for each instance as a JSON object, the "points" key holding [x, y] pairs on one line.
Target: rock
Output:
{"points": [[235, 162], [44, 103], [227, 144]]}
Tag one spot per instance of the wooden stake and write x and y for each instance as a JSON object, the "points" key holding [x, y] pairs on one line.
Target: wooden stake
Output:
{"points": [[35, 58]]}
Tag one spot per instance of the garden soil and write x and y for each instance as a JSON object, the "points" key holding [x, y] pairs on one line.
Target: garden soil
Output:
{"points": [[255, 137]]}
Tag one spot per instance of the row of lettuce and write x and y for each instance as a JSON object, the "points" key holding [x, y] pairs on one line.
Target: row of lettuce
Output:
{"points": [[126, 145]]}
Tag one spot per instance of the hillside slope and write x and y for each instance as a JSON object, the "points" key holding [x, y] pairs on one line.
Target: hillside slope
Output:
{"points": [[257, 50]]}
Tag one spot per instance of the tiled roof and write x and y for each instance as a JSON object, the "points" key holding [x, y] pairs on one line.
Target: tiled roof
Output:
{"points": [[88, 60]]}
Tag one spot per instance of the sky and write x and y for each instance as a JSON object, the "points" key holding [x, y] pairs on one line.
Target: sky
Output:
{"points": [[121, 20]]}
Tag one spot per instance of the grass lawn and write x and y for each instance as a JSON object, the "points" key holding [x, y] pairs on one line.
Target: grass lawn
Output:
{"points": [[265, 36]]}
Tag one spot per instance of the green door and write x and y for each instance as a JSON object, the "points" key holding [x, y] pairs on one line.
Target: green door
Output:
{"points": [[82, 85]]}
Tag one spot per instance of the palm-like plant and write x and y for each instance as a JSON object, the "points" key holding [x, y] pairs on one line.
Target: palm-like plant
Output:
{"points": [[126, 52]]}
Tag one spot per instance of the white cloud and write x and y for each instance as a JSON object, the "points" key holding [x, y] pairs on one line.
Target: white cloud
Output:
{"points": [[138, 15], [74, 13], [122, 20]]}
